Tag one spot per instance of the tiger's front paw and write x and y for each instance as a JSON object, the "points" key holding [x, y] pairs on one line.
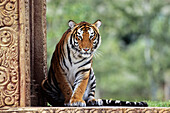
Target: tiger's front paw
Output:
{"points": [[67, 104], [94, 102], [77, 103]]}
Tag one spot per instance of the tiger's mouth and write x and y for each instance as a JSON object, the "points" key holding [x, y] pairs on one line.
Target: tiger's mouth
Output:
{"points": [[82, 53], [85, 54]]}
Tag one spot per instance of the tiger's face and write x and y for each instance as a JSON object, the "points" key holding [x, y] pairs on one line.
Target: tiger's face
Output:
{"points": [[85, 37]]}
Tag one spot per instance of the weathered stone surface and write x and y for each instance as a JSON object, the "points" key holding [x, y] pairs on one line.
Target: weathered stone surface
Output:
{"points": [[38, 50], [86, 110], [22, 51], [9, 53]]}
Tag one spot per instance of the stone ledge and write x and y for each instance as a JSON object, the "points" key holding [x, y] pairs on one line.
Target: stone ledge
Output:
{"points": [[86, 110]]}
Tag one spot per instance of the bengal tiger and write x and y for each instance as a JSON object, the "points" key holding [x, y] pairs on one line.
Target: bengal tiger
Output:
{"points": [[71, 80]]}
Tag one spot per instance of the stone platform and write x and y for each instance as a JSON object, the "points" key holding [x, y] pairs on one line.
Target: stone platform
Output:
{"points": [[86, 110]]}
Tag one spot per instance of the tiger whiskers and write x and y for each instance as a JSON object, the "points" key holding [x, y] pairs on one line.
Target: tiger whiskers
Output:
{"points": [[98, 54]]}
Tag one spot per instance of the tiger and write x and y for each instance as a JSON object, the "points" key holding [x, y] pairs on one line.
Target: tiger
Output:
{"points": [[71, 80]]}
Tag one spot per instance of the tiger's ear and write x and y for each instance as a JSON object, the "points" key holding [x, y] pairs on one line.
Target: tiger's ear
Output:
{"points": [[71, 24], [98, 23]]}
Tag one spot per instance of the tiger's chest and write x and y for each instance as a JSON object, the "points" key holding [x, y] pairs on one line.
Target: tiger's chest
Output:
{"points": [[71, 73], [76, 66]]}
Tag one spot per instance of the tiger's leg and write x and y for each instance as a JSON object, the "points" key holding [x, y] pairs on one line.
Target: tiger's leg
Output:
{"points": [[79, 89], [52, 91], [63, 84], [66, 89], [89, 95]]}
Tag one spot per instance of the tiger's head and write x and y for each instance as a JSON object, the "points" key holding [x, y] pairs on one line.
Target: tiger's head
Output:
{"points": [[85, 37]]}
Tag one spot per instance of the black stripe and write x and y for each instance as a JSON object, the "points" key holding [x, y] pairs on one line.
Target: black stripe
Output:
{"points": [[61, 68], [91, 95], [80, 61], [82, 26], [49, 75], [56, 56], [93, 87], [58, 60], [123, 103], [77, 83], [62, 49], [85, 64], [69, 57], [83, 70], [65, 63], [46, 86], [98, 37], [75, 30], [94, 82], [77, 80], [55, 82], [92, 77], [90, 72], [51, 87], [71, 39], [92, 91], [72, 46]]}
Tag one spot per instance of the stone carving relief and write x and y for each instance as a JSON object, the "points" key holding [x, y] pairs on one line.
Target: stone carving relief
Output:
{"points": [[27, 54], [91, 110], [9, 77], [16, 25]]}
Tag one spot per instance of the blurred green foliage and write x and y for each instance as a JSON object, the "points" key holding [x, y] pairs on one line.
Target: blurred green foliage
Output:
{"points": [[133, 59], [158, 103]]}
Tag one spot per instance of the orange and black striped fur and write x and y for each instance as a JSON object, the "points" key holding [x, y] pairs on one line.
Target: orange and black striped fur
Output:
{"points": [[71, 80]]}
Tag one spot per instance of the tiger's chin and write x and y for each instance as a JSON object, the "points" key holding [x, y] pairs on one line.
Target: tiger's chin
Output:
{"points": [[85, 55]]}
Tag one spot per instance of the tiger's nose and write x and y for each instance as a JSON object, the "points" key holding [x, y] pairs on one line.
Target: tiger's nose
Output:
{"points": [[86, 49]]}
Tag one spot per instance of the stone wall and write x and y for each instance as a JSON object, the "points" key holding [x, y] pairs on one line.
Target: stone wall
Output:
{"points": [[87, 110], [22, 52], [38, 50]]}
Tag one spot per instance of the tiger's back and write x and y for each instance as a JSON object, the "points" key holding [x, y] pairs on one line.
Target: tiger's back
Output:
{"points": [[51, 85]]}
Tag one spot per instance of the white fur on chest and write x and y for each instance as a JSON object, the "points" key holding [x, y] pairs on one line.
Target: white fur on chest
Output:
{"points": [[75, 67]]}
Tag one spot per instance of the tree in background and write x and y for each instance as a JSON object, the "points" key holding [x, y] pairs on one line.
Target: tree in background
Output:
{"points": [[134, 54]]}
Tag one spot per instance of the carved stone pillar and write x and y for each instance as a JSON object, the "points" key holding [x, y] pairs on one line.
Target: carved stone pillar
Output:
{"points": [[22, 60], [38, 50]]}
